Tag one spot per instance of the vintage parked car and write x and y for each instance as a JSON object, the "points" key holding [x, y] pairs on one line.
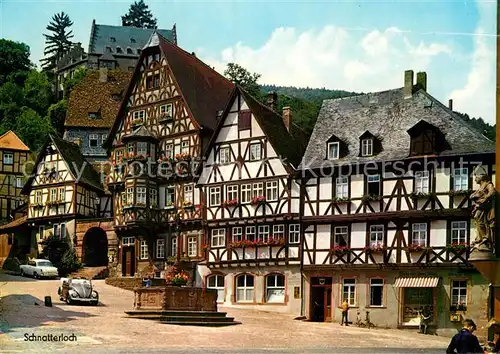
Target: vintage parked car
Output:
{"points": [[39, 268], [77, 290]]}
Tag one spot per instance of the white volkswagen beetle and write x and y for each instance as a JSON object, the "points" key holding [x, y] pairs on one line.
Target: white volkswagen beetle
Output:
{"points": [[39, 268]]}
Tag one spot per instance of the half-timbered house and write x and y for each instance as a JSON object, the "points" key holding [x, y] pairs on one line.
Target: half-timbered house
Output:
{"points": [[386, 216], [252, 241], [167, 116], [64, 190], [15, 163]]}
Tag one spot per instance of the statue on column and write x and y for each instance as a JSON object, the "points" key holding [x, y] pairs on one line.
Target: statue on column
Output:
{"points": [[483, 213]]}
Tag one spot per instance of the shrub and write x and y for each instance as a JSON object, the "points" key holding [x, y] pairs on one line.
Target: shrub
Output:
{"points": [[61, 254]]}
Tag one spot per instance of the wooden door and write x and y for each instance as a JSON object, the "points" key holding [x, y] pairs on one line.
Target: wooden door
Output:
{"points": [[128, 261], [496, 305], [328, 304]]}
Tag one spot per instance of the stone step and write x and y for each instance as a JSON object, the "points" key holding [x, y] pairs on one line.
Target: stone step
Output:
{"points": [[175, 313], [186, 318], [90, 273], [207, 324]]}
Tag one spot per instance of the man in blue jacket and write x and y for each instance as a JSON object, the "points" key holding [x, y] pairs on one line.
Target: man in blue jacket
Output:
{"points": [[465, 341]]}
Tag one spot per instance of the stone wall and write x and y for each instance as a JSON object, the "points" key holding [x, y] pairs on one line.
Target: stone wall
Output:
{"points": [[124, 283], [175, 298], [107, 225], [82, 134]]}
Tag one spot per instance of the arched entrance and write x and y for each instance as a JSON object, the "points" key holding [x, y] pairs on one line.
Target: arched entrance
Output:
{"points": [[95, 248]]}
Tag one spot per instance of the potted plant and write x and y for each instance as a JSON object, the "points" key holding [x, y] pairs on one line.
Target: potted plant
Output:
{"points": [[258, 200], [186, 204], [340, 250], [180, 278]]}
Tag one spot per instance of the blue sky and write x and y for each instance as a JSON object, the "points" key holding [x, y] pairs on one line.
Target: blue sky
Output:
{"points": [[353, 45]]}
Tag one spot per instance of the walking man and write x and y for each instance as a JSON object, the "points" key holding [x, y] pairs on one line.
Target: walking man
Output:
{"points": [[465, 341], [345, 309]]}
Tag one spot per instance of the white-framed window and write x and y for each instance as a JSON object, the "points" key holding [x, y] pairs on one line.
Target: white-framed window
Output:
{"points": [[244, 288], [367, 147], [458, 232], [246, 193], [153, 197], [250, 233], [258, 189], [142, 148], [62, 194], [419, 234], [144, 250], [232, 192], [216, 282], [214, 196], [93, 140], [138, 116], [130, 149], [55, 230], [8, 158], [130, 196], [160, 248], [333, 150], [59, 230], [118, 156], [237, 233], [422, 181], [373, 187], [459, 292], [224, 155], [128, 241], [342, 187], [188, 193], [275, 288], [376, 292], [294, 233], [53, 195], [185, 147], [169, 151], [103, 138], [19, 182], [376, 235], [255, 151], [169, 196], [349, 291], [218, 237], [272, 190], [278, 231], [192, 246], [264, 232], [460, 179], [41, 231], [341, 236], [38, 197], [141, 195], [173, 246], [166, 110]]}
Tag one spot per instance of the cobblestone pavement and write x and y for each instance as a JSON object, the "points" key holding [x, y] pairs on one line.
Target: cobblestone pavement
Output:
{"points": [[105, 328]]}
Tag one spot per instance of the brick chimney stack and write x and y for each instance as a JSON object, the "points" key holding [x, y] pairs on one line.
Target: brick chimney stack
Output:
{"points": [[422, 80], [450, 104], [272, 99], [287, 117], [103, 74], [408, 89]]}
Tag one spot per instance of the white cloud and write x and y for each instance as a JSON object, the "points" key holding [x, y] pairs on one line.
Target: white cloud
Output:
{"points": [[477, 97], [338, 58]]}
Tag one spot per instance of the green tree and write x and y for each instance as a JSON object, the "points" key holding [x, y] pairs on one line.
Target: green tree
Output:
{"points": [[69, 83], [139, 16], [11, 102], [241, 76], [32, 128], [57, 114], [14, 61], [58, 42], [61, 254], [37, 92]]}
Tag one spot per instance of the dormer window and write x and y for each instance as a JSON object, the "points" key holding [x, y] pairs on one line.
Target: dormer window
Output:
{"points": [[116, 97], [138, 51], [333, 150], [119, 50], [426, 139], [367, 147], [108, 49], [130, 51], [93, 115], [112, 39], [132, 40]]}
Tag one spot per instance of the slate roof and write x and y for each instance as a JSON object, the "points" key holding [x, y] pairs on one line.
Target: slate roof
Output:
{"points": [[92, 95], [388, 116], [140, 132], [205, 90], [100, 38], [11, 141], [73, 157]]}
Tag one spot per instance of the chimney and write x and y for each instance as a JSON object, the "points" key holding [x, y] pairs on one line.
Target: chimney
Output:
{"points": [[450, 104], [408, 89], [272, 98], [287, 117], [103, 74], [422, 80]]}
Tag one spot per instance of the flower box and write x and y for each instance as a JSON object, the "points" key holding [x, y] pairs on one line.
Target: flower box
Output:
{"points": [[457, 247], [417, 195], [371, 198], [137, 121], [169, 206], [465, 192], [375, 249], [416, 248], [132, 158], [278, 241], [340, 250], [204, 248], [180, 278], [140, 205], [339, 200], [230, 203], [183, 157], [187, 205], [54, 203], [458, 307], [258, 200], [166, 117], [37, 205]]}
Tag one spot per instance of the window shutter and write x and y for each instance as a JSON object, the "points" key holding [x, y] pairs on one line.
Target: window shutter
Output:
{"points": [[244, 119]]}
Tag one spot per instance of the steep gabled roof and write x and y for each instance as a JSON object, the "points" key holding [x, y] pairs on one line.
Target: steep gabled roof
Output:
{"points": [[92, 95], [11, 141], [389, 116], [286, 144], [75, 161], [205, 90]]}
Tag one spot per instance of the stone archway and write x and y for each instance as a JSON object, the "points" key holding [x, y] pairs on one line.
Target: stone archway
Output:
{"points": [[95, 248]]}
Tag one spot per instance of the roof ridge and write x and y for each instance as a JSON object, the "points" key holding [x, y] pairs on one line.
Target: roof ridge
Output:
{"points": [[362, 94]]}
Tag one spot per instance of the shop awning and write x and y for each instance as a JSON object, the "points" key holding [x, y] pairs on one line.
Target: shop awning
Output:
{"points": [[417, 282]]}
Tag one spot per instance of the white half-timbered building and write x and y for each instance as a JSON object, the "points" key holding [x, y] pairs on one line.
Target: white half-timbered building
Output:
{"points": [[252, 207], [167, 116], [63, 190], [386, 216]]}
